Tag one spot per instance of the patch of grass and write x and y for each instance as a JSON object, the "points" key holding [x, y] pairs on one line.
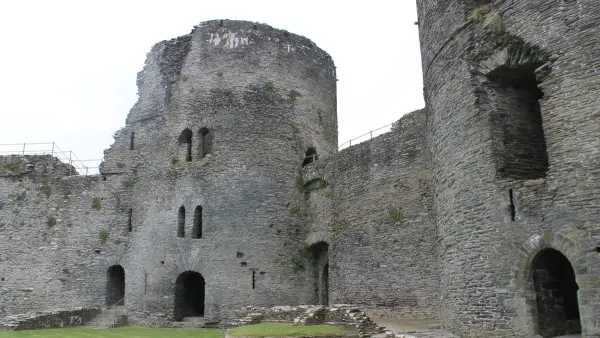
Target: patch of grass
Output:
{"points": [[327, 193], [51, 221], [494, 23], [174, 160], [396, 214], [130, 332], [103, 235], [286, 329], [269, 87], [96, 204]]}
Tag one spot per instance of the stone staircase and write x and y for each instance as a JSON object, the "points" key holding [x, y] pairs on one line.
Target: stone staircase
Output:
{"points": [[109, 318]]}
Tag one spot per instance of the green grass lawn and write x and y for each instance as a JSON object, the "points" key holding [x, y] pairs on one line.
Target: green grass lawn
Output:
{"points": [[129, 332], [286, 329]]}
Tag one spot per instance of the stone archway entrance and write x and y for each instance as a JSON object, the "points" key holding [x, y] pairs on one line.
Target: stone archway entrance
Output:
{"points": [[556, 294], [320, 253], [115, 289], [189, 295]]}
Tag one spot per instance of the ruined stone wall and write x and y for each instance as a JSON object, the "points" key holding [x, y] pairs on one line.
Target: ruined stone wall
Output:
{"points": [[54, 254], [382, 252], [477, 128]]}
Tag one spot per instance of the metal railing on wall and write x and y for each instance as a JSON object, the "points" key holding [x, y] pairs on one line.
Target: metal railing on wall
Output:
{"points": [[366, 136], [75, 165]]}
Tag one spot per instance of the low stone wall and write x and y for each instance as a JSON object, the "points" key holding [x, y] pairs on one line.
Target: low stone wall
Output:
{"points": [[49, 319], [341, 314]]}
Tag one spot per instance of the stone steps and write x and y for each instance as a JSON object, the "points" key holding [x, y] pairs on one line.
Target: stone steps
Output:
{"points": [[109, 318]]}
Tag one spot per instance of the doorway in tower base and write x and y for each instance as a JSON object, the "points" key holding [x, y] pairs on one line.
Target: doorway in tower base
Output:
{"points": [[189, 295], [115, 288], [556, 294], [320, 270]]}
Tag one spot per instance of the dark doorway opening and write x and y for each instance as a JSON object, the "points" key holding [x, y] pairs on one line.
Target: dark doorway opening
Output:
{"points": [[320, 271], [189, 295], [556, 294], [115, 293]]}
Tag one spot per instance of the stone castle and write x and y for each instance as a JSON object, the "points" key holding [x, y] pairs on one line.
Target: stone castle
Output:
{"points": [[226, 189]]}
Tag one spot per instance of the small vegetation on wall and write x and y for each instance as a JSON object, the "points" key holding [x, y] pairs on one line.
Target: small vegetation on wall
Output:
{"points": [[293, 96], [103, 235], [96, 204], [301, 259], [51, 221], [46, 189], [396, 214], [174, 160], [120, 165], [12, 166], [337, 227], [492, 20]]}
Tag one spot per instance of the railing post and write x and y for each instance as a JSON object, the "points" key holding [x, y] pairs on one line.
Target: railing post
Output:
{"points": [[371, 132], [70, 163], [24, 149], [350, 142], [52, 153]]}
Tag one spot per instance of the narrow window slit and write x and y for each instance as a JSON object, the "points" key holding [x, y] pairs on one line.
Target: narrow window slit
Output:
{"points": [[512, 205], [181, 222], [253, 280], [129, 221], [131, 141]]}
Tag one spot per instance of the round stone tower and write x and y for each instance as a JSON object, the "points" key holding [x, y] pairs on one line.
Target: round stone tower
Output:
{"points": [[213, 149], [509, 123]]}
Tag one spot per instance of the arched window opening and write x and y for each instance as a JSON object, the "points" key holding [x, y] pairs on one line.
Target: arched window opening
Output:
{"points": [[320, 270], [181, 222], [517, 122], [204, 142], [310, 156], [197, 230], [115, 289], [185, 142], [556, 294], [189, 295]]}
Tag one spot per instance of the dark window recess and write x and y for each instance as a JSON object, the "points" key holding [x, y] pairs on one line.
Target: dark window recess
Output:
{"points": [[205, 141], [185, 142], [520, 146], [310, 156], [181, 222], [131, 141], [129, 220], [253, 280], [513, 211], [197, 229]]}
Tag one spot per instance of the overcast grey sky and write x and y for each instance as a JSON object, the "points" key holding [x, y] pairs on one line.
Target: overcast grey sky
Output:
{"points": [[69, 67]]}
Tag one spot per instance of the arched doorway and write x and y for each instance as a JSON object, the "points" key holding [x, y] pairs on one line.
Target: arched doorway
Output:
{"points": [[320, 256], [115, 289], [556, 294], [189, 295]]}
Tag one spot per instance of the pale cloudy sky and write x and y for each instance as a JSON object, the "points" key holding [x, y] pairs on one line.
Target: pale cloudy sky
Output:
{"points": [[69, 67]]}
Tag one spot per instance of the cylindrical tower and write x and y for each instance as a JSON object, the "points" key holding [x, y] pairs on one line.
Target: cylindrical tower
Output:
{"points": [[215, 144], [511, 140]]}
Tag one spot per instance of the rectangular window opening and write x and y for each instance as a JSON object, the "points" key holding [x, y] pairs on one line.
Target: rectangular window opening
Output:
{"points": [[253, 280], [512, 205], [131, 141], [129, 221]]}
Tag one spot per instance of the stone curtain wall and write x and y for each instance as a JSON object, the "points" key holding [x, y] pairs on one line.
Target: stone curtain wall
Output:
{"points": [[53, 252], [484, 292], [383, 243]]}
